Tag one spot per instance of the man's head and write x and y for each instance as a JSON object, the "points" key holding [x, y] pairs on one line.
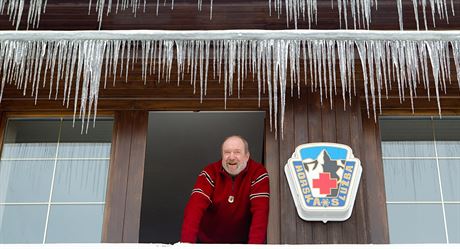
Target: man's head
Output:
{"points": [[235, 154]]}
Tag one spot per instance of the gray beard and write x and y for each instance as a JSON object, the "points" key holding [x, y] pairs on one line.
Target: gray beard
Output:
{"points": [[240, 167]]}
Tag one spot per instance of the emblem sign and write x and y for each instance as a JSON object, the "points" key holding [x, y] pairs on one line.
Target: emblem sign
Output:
{"points": [[324, 179]]}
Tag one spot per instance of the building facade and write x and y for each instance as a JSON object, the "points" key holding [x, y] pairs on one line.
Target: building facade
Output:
{"points": [[62, 181]]}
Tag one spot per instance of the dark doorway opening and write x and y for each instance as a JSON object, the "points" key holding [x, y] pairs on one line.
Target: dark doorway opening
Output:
{"points": [[179, 146]]}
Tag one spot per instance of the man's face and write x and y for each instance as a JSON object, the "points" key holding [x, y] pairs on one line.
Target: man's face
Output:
{"points": [[234, 156]]}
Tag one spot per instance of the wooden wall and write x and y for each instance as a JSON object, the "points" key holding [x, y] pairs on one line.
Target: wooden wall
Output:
{"points": [[307, 121], [124, 192]]}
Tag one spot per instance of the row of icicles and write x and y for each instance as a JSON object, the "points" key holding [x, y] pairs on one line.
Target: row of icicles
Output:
{"points": [[77, 69], [295, 10]]}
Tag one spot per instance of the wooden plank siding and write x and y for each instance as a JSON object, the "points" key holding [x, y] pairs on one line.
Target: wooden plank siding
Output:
{"points": [[287, 146], [301, 119], [306, 120], [272, 163], [135, 177], [373, 184], [114, 212], [357, 221], [124, 192]]}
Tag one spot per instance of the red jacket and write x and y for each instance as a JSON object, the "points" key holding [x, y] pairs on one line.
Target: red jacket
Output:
{"points": [[211, 216]]}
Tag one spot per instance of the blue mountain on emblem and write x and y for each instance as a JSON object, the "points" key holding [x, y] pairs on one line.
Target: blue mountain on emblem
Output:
{"points": [[324, 164]]}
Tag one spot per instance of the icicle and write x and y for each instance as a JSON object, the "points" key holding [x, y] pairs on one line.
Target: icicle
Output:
{"points": [[231, 58], [206, 70], [322, 66], [15, 10], [400, 14], [433, 51], [362, 50], [258, 57], [276, 71], [456, 54], [239, 49], [271, 62], [378, 62], [195, 64], [414, 4], [360, 10], [200, 52], [283, 61], [180, 59], [293, 66], [329, 51], [297, 62], [169, 58], [135, 5], [268, 48], [226, 65], [371, 70], [342, 55]]}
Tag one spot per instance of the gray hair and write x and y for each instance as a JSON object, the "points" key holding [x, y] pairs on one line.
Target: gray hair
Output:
{"points": [[245, 142]]}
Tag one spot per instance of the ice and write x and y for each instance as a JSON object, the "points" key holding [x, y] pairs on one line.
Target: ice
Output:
{"points": [[15, 8], [295, 10], [77, 67], [456, 54], [400, 14]]}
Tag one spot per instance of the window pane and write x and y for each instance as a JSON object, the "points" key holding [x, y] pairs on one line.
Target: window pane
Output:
{"points": [[100, 133], [27, 167], [447, 129], [453, 222], [404, 129], [448, 148], [450, 175], [408, 149], [75, 224], [416, 223], [80, 180], [447, 136], [411, 180], [84, 150], [22, 223], [32, 130], [26, 138], [25, 181], [29, 150], [93, 144]]}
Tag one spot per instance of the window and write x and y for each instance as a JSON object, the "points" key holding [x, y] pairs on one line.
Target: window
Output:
{"points": [[197, 137], [421, 158], [53, 181]]}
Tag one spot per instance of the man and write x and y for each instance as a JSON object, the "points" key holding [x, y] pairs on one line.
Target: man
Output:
{"points": [[229, 202]]}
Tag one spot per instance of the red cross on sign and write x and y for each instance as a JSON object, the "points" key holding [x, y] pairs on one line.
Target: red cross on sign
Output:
{"points": [[325, 183]]}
